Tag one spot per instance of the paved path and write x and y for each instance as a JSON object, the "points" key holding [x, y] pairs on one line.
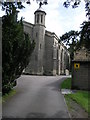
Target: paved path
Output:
{"points": [[37, 97]]}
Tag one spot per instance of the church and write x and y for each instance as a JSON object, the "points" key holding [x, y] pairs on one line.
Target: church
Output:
{"points": [[50, 57]]}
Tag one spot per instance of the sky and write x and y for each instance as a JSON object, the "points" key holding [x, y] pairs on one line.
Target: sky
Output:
{"points": [[58, 18]]}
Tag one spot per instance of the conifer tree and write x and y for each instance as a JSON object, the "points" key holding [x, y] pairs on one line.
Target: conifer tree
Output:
{"points": [[16, 47]]}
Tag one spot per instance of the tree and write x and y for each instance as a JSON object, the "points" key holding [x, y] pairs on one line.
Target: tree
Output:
{"points": [[16, 47], [75, 39], [76, 3], [85, 29], [85, 35], [41, 2], [71, 40]]}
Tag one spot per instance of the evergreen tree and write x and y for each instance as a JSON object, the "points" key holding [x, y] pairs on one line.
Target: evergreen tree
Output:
{"points": [[85, 35], [16, 48]]}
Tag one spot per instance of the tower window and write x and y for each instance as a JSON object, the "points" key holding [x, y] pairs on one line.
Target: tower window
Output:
{"points": [[41, 18], [37, 18], [40, 46]]}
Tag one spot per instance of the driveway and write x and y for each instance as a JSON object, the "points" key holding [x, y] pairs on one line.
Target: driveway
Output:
{"points": [[36, 97]]}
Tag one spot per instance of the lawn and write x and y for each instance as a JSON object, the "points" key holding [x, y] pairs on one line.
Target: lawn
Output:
{"points": [[66, 84], [81, 97]]}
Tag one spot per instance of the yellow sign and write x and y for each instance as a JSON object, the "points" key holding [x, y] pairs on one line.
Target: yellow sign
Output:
{"points": [[76, 65]]}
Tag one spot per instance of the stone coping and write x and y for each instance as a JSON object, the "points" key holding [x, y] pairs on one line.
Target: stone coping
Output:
{"points": [[83, 60]]}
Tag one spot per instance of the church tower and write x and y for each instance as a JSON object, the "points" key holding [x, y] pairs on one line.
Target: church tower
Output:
{"points": [[39, 38]]}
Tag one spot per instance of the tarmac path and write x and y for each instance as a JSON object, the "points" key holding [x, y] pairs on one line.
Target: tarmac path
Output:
{"points": [[36, 97]]}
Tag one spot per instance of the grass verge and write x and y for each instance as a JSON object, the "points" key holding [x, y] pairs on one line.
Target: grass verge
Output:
{"points": [[10, 94], [81, 97], [66, 84]]}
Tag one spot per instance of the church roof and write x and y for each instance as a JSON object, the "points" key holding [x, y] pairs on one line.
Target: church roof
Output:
{"points": [[40, 9]]}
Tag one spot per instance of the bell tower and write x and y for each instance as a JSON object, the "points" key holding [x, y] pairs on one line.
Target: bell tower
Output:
{"points": [[39, 17], [39, 38]]}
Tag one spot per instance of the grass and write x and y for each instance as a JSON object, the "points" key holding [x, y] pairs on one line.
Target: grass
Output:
{"points": [[68, 99], [66, 84], [81, 97], [10, 94]]}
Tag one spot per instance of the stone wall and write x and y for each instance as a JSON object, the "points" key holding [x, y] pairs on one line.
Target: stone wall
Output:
{"points": [[48, 54], [46, 57], [28, 28]]}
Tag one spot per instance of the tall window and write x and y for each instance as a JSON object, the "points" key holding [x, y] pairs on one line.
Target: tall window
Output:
{"points": [[41, 18], [40, 46], [37, 18]]}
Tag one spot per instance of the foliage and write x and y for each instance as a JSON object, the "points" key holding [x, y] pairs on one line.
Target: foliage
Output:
{"points": [[76, 3], [75, 39], [66, 84], [70, 39], [82, 98], [85, 35], [16, 48], [6, 96], [8, 6], [19, 3]]}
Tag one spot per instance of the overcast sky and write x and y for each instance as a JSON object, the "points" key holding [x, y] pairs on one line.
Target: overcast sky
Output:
{"points": [[58, 18]]}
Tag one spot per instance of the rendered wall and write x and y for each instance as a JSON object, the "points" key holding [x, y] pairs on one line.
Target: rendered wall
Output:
{"points": [[80, 75]]}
